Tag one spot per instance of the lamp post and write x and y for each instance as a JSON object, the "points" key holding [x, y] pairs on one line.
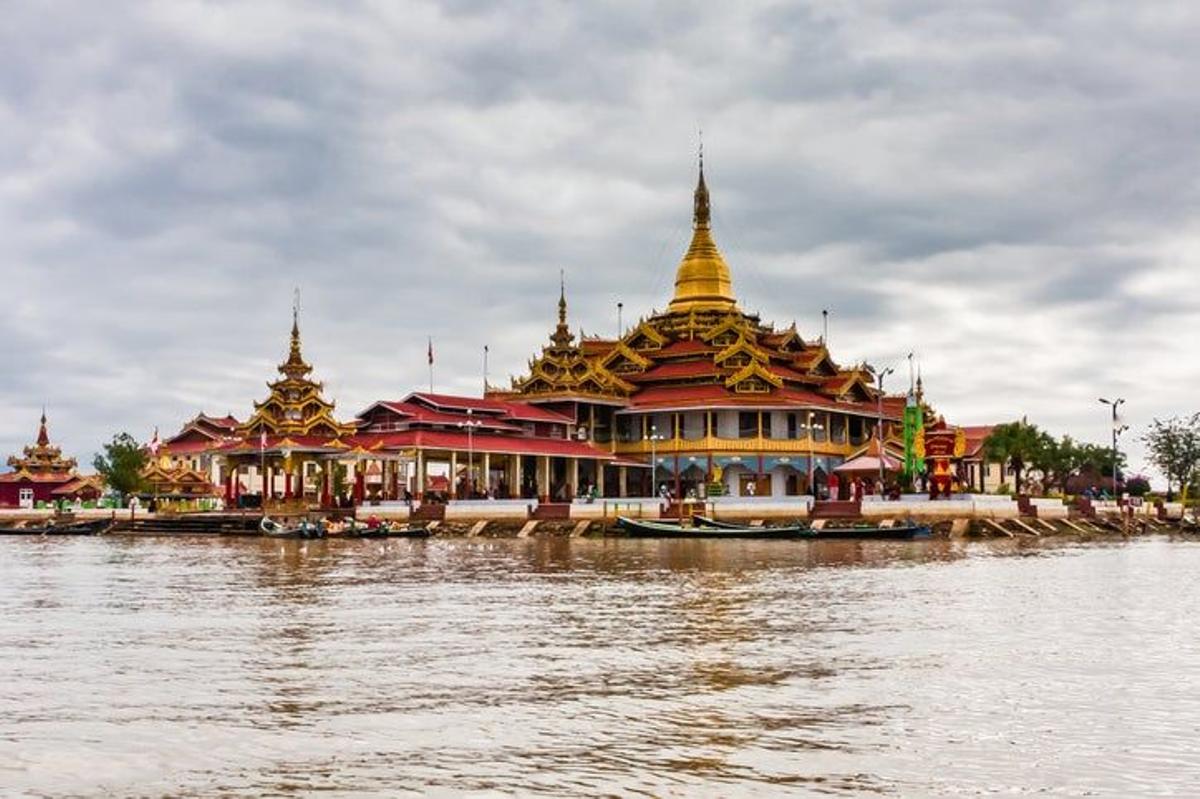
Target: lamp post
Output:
{"points": [[879, 422], [470, 425], [812, 485], [1116, 431], [653, 438]]}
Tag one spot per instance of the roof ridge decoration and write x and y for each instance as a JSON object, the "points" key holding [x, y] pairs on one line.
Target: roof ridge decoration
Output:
{"points": [[746, 379]]}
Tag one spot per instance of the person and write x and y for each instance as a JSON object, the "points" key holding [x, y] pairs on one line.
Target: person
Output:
{"points": [[858, 489], [751, 488], [408, 498], [833, 485]]}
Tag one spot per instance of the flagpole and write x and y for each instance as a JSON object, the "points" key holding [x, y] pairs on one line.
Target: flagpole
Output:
{"points": [[431, 364], [485, 369]]}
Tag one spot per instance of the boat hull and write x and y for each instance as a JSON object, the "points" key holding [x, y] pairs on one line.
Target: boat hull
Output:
{"points": [[637, 528]]}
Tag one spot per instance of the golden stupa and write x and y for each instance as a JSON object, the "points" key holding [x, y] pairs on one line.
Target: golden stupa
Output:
{"points": [[702, 282]]}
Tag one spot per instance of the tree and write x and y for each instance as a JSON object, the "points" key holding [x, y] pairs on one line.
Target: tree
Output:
{"points": [[1174, 447], [1015, 445], [121, 465]]}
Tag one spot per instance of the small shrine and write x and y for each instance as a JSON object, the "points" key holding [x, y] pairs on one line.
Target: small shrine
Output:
{"points": [[941, 447]]}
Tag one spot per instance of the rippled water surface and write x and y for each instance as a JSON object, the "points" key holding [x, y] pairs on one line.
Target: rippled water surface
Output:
{"points": [[212, 666]]}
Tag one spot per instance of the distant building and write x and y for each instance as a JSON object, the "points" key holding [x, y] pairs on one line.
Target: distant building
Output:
{"points": [[43, 475]]}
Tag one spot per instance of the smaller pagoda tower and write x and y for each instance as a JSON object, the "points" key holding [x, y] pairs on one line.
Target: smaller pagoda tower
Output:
{"points": [[40, 474]]}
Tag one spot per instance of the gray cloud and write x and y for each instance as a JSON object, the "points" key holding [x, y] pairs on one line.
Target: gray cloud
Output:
{"points": [[1006, 187]]}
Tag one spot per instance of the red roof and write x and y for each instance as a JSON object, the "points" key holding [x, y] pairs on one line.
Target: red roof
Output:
{"points": [[521, 411], [481, 442], [683, 347], [674, 370], [976, 435]]}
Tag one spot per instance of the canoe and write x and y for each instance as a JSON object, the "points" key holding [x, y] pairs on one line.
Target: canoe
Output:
{"points": [[642, 528], [900, 532], [273, 529], [95, 527], [387, 532]]}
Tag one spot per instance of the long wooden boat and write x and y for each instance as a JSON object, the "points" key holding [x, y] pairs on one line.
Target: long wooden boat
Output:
{"points": [[94, 527], [899, 532], [644, 528], [273, 529], [386, 531]]}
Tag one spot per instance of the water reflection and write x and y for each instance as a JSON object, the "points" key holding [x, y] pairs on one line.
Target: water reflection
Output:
{"points": [[577, 667]]}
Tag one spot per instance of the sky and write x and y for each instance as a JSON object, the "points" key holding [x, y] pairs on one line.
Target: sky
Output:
{"points": [[1008, 189]]}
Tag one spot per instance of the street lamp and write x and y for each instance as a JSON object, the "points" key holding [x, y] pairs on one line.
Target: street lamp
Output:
{"points": [[1117, 429], [470, 424], [812, 486], [879, 426], [653, 439]]}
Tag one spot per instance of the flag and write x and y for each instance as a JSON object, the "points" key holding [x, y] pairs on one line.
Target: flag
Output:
{"points": [[431, 350], [154, 443], [262, 438]]}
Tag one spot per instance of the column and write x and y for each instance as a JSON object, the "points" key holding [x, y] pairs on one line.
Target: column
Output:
{"points": [[266, 486], [486, 477], [453, 475], [287, 483], [622, 481], [360, 481], [229, 488], [543, 478], [518, 482], [418, 489], [326, 483], [600, 466], [572, 478]]}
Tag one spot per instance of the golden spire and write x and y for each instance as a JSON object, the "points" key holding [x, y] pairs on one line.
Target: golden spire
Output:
{"points": [[702, 280], [562, 336], [295, 366], [43, 439]]}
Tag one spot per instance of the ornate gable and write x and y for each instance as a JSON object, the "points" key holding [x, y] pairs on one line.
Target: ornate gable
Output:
{"points": [[754, 378]]}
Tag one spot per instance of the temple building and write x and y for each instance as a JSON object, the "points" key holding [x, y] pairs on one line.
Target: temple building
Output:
{"points": [[720, 401], [486, 448], [42, 475], [284, 451]]}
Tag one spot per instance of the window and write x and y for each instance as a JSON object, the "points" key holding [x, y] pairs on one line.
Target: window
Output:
{"points": [[766, 425], [837, 430], [820, 427], [792, 426], [747, 424]]}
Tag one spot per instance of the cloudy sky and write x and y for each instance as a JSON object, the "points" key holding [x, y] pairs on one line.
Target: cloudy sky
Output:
{"points": [[1008, 188]]}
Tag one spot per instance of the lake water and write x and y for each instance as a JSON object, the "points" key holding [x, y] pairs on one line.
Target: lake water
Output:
{"points": [[248, 667]]}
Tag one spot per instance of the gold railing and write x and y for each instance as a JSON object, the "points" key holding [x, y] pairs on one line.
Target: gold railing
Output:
{"points": [[714, 443]]}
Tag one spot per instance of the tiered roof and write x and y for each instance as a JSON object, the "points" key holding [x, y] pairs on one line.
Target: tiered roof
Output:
{"points": [[296, 408], [702, 351], [42, 461]]}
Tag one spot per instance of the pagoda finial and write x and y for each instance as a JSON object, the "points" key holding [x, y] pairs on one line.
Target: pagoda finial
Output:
{"points": [[295, 366], [701, 216], [562, 333], [43, 439], [562, 297]]}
